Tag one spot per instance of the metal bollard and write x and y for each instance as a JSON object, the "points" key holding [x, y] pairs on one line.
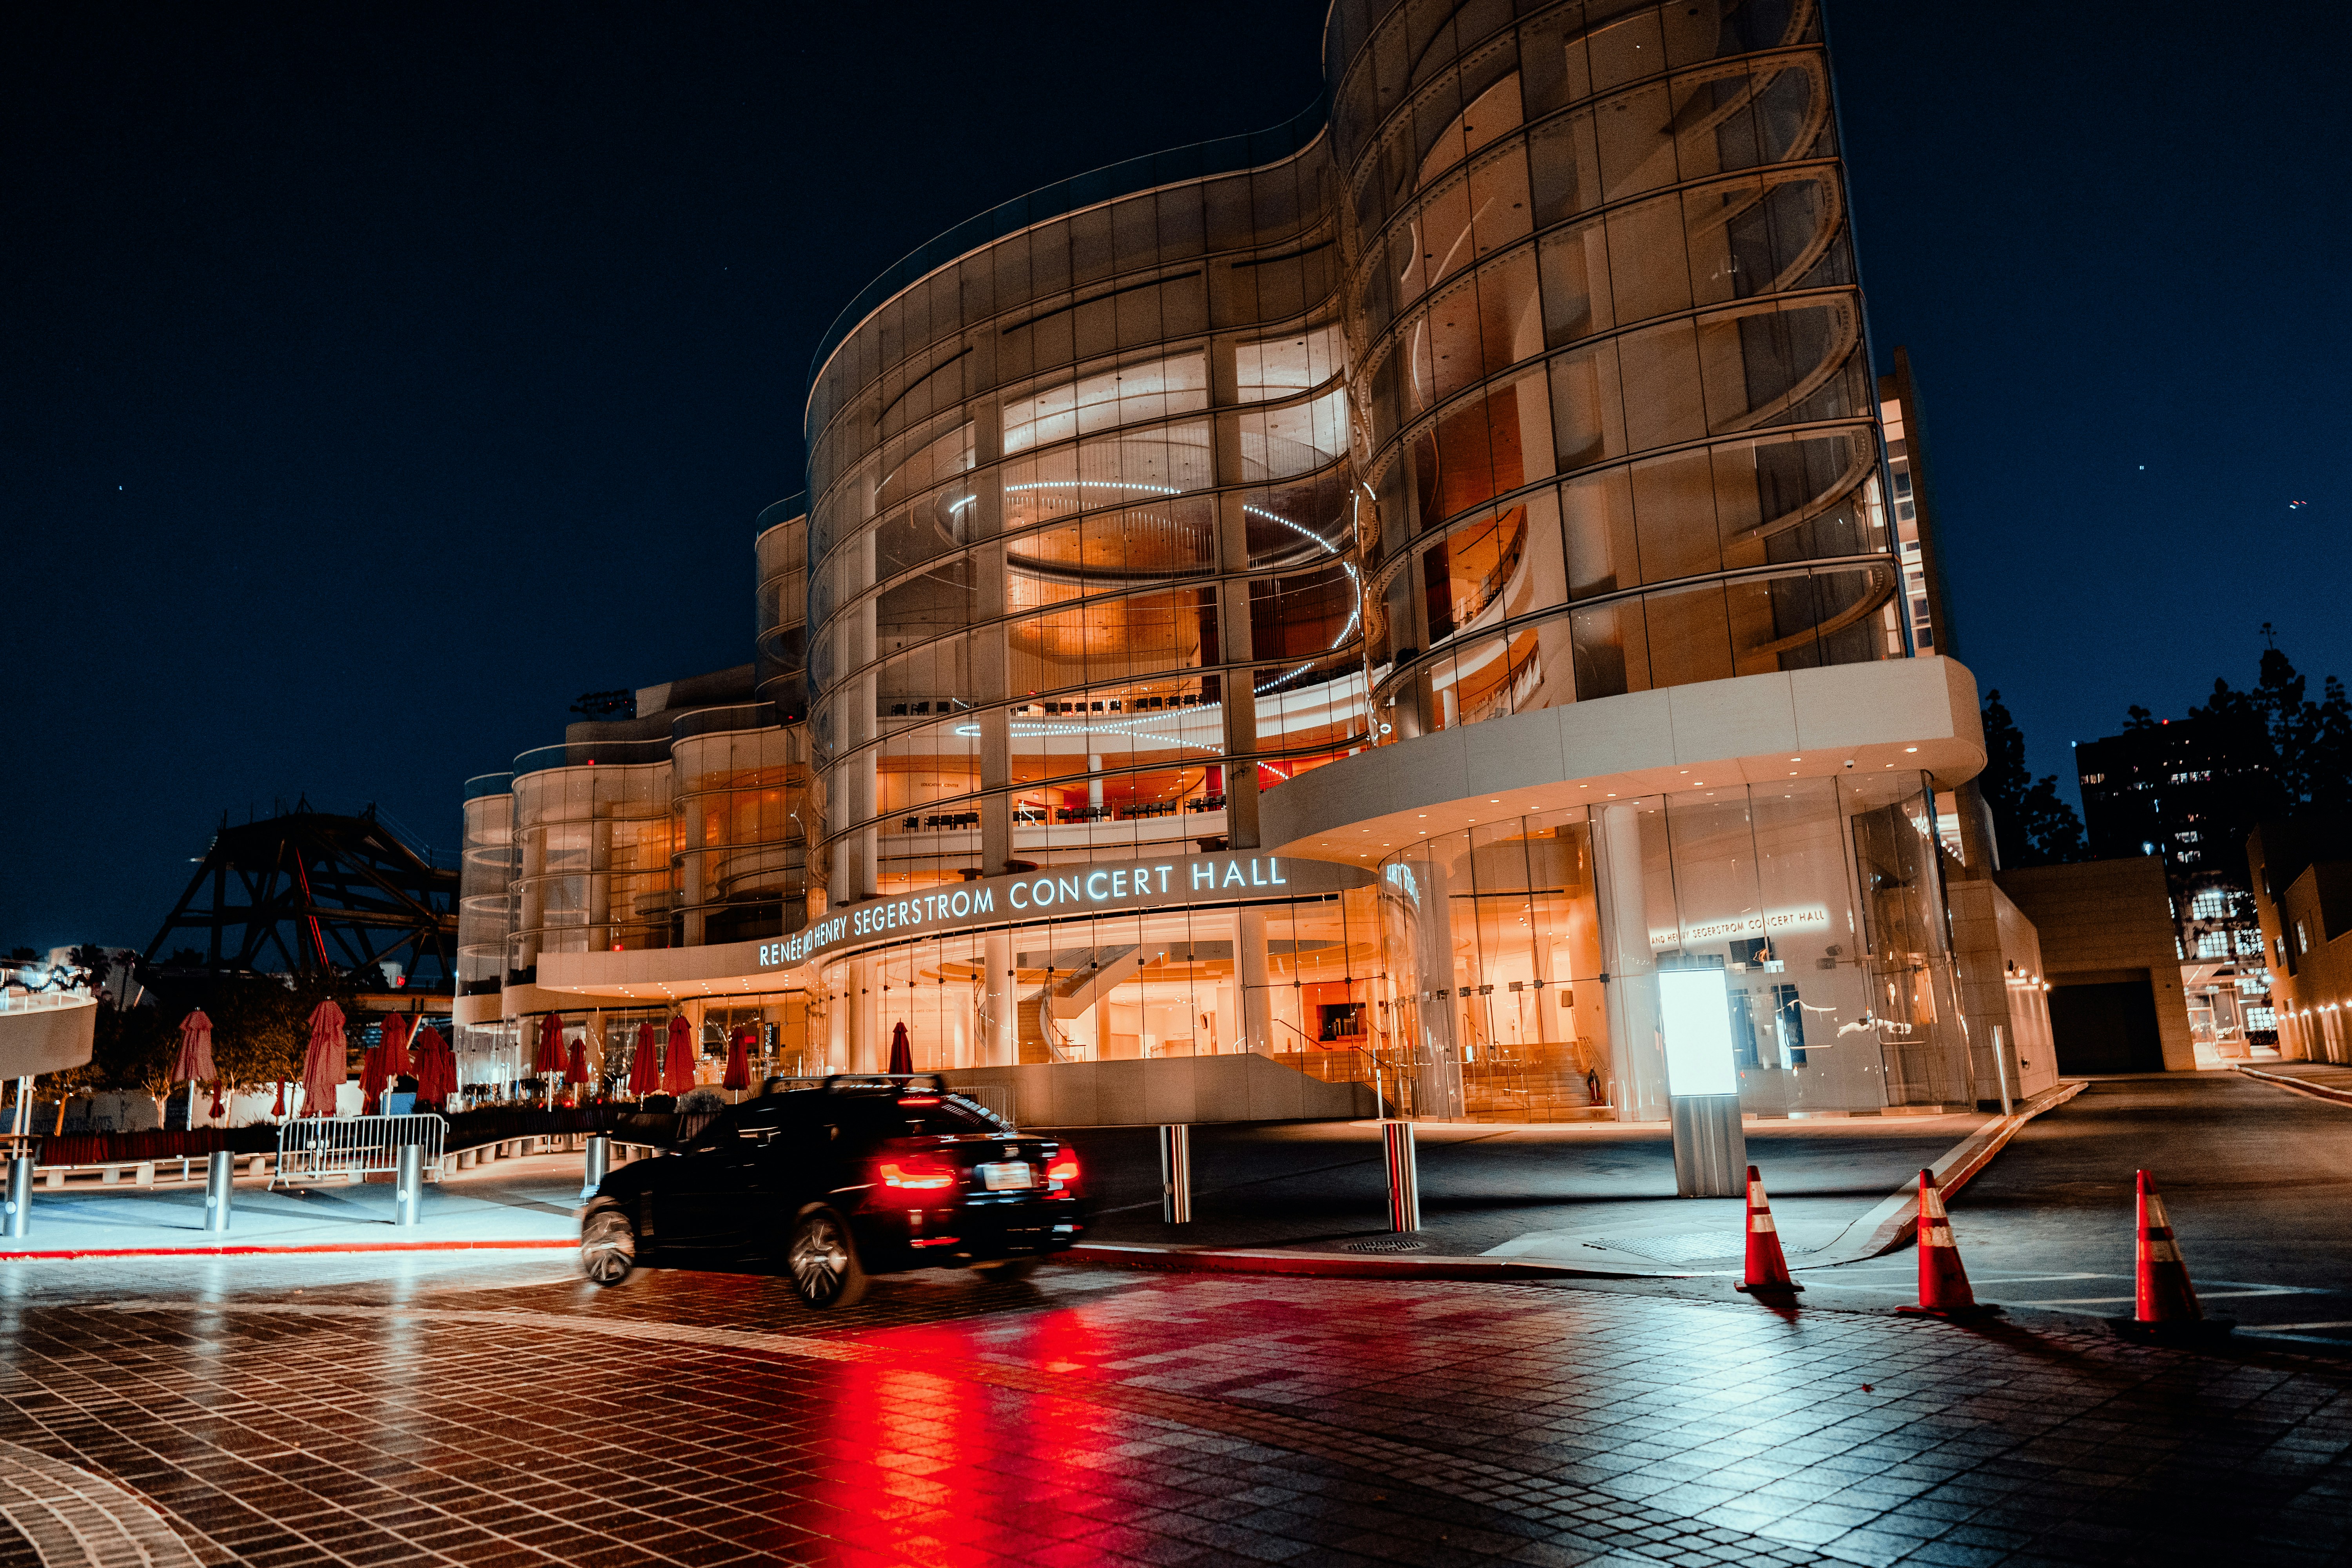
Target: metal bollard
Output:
{"points": [[19, 1213], [600, 1161], [408, 1190], [1404, 1176], [1176, 1173], [220, 1180]]}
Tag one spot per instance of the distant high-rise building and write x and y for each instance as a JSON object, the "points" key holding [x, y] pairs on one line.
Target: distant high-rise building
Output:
{"points": [[2185, 791], [1925, 601]]}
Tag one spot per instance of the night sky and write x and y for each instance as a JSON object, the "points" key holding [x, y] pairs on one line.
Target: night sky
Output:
{"points": [[378, 380]]}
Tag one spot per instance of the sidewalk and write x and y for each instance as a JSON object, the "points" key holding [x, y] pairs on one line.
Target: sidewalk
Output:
{"points": [[1598, 1195], [2329, 1078], [516, 1203]]}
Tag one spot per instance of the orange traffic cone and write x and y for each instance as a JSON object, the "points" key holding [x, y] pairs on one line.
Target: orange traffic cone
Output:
{"points": [[2164, 1303], [1943, 1283], [1768, 1269]]}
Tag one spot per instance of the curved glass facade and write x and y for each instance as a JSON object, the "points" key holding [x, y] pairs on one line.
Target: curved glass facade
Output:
{"points": [[593, 839], [1610, 365], [1522, 957], [1082, 551], [1539, 378], [1533, 374]]}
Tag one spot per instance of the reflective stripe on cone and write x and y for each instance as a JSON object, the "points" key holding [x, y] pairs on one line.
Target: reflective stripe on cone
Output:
{"points": [[1767, 1267], [1944, 1290], [2164, 1307]]}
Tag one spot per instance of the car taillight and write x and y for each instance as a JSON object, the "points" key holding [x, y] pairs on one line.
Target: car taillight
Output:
{"points": [[913, 1178], [1065, 1168]]}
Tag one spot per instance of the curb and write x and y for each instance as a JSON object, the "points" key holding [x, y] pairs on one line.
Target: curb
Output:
{"points": [[304, 1249], [2299, 1086], [1886, 1227], [1891, 1224], [1323, 1265]]}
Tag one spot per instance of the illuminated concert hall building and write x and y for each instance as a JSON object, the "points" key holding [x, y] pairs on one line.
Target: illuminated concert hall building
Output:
{"points": [[1326, 618]]}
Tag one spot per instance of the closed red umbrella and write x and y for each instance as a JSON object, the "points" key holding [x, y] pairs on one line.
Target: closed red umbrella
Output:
{"points": [[324, 1067], [548, 1060], [436, 1068], [395, 1045], [575, 1066], [677, 1067], [902, 1052], [194, 1061], [645, 1063], [280, 1108], [739, 1065], [373, 1078]]}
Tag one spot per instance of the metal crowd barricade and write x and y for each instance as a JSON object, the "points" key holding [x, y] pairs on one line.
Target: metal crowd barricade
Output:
{"points": [[350, 1149]]}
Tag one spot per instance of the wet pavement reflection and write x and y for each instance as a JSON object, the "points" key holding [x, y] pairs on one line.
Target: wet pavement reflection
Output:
{"points": [[430, 1409]]}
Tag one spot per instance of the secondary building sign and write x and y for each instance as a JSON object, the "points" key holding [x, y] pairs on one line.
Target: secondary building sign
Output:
{"points": [[1137, 887]]}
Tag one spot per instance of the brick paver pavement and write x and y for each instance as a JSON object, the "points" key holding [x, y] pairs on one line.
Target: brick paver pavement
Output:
{"points": [[516, 1417]]}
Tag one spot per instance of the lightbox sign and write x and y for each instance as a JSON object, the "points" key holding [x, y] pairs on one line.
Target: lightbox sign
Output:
{"points": [[1695, 1017], [1062, 893]]}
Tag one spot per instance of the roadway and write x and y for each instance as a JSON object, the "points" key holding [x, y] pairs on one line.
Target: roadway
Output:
{"points": [[2256, 1180]]}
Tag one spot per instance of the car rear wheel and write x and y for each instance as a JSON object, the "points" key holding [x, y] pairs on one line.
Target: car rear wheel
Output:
{"points": [[821, 1260], [608, 1247]]}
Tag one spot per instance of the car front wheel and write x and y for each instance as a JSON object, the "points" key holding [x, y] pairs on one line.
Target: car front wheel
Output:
{"points": [[821, 1260], [608, 1247]]}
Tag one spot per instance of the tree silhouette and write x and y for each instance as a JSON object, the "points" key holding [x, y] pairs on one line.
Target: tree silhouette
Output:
{"points": [[2304, 746], [2032, 827]]}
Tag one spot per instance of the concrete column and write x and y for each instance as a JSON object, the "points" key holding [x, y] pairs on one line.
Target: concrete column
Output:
{"points": [[1240, 702], [1094, 781], [1436, 1043], [837, 978], [867, 1051], [1636, 1056], [991, 683], [600, 878], [1250, 967], [999, 1018]]}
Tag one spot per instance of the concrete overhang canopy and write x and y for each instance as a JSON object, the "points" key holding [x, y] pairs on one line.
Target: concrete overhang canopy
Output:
{"points": [[45, 1034], [1899, 715]]}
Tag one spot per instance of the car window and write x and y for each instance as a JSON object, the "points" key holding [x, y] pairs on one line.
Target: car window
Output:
{"points": [[877, 1116], [718, 1132], [951, 1116]]}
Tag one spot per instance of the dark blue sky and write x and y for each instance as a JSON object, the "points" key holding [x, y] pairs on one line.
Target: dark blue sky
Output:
{"points": [[379, 380]]}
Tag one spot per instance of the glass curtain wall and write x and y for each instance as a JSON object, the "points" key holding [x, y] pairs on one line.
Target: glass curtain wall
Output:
{"points": [[1148, 985], [1083, 571], [485, 884], [1608, 358], [593, 842], [485, 919], [1519, 963], [740, 799]]}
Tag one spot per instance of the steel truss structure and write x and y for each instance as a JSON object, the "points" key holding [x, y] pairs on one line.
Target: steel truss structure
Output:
{"points": [[310, 890]]}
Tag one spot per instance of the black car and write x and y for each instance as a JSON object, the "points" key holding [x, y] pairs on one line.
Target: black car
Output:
{"points": [[860, 1175]]}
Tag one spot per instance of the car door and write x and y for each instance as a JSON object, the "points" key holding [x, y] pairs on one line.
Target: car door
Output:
{"points": [[689, 1203], [729, 1185]]}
